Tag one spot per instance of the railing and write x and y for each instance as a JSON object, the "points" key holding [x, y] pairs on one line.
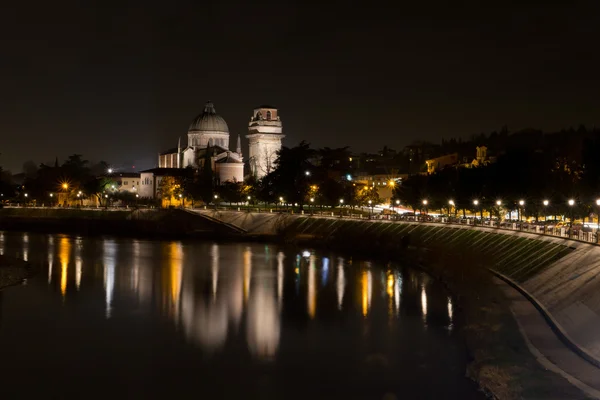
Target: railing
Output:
{"points": [[564, 231]]}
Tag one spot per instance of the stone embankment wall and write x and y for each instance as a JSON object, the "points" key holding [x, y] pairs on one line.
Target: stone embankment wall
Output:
{"points": [[562, 275], [155, 222]]}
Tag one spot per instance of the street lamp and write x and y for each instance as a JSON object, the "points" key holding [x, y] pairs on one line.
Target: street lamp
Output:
{"points": [[520, 212], [341, 205], [307, 173], [65, 186], [476, 204], [249, 197], [425, 202], [571, 204], [371, 205], [110, 170]]}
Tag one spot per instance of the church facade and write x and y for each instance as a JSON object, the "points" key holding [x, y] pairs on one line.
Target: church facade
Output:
{"points": [[207, 139]]}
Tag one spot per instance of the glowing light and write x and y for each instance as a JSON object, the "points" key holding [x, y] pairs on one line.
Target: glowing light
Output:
{"points": [[78, 265], [498, 203], [25, 246], [546, 202], [175, 274], [571, 202], [521, 202], [65, 185], [425, 202], [451, 202], [450, 309], [475, 202], [306, 253]]}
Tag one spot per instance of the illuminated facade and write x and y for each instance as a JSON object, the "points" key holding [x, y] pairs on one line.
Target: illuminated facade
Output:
{"points": [[265, 133], [208, 133]]}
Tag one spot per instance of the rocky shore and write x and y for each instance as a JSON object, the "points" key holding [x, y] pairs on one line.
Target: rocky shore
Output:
{"points": [[13, 271]]}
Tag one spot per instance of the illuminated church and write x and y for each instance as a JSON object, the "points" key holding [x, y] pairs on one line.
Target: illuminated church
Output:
{"points": [[209, 133]]}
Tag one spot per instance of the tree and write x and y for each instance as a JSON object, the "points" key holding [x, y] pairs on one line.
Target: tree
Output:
{"points": [[170, 187], [289, 179]]}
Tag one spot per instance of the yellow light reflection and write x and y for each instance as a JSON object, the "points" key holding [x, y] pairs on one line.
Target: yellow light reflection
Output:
{"points": [[450, 309], [175, 273], [312, 287], [367, 287], [64, 251], [247, 272], [78, 265], [2, 243], [390, 285]]}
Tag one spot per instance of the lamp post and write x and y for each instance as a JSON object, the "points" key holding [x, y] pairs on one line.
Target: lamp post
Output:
{"points": [[106, 201], [476, 204], [312, 205], [371, 209], [425, 202], [520, 212], [249, 197], [216, 197], [450, 205], [341, 205], [137, 198], [395, 212], [498, 204], [571, 204], [181, 200], [545, 203]]}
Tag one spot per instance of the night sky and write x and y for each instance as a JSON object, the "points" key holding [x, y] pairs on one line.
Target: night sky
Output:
{"points": [[120, 80]]}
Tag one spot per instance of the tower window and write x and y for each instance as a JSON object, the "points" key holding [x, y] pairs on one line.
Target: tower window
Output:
{"points": [[268, 115]]}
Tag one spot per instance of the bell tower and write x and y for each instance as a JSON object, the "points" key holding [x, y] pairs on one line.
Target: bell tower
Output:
{"points": [[265, 133]]}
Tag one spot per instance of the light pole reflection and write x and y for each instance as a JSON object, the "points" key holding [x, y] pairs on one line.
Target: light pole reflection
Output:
{"points": [[398, 292], [424, 302], [110, 250], [341, 283], [264, 323], [280, 277], [25, 247], [367, 287], [312, 287], [214, 268], [64, 252], [247, 272]]}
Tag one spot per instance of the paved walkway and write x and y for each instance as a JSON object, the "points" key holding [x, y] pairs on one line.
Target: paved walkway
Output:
{"points": [[552, 353]]}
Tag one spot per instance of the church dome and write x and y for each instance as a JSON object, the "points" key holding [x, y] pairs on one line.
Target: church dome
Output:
{"points": [[209, 121]]}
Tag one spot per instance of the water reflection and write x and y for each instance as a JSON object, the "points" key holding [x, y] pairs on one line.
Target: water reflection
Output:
{"points": [[64, 254], [341, 283], [110, 250], [211, 292]]}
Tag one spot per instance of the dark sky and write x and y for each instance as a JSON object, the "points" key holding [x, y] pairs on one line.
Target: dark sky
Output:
{"points": [[121, 80]]}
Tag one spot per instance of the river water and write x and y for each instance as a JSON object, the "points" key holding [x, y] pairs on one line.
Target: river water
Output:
{"points": [[126, 318]]}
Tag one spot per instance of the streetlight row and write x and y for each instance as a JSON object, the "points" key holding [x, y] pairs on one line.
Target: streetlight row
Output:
{"points": [[571, 202]]}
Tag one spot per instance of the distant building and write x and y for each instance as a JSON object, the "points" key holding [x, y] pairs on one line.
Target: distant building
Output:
{"points": [[150, 180], [127, 181], [439, 163], [265, 133]]}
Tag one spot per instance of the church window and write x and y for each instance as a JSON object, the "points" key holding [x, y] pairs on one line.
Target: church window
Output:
{"points": [[268, 115]]}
